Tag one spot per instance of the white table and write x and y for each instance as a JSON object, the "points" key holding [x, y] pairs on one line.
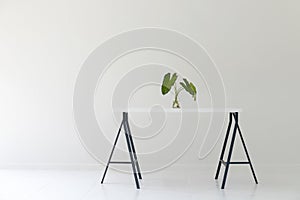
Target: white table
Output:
{"points": [[172, 110]]}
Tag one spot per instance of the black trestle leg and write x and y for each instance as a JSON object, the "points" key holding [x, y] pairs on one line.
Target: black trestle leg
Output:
{"points": [[230, 152], [247, 154], [133, 163], [112, 151], [228, 162], [131, 150], [224, 146]]}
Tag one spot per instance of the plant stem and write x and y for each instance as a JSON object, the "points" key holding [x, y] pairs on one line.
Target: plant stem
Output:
{"points": [[177, 91]]}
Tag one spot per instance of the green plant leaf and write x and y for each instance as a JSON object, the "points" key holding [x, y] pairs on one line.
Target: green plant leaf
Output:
{"points": [[173, 79], [194, 90], [184, 86], [189, 90], [164, 86], [168, 83], [189, 87]]}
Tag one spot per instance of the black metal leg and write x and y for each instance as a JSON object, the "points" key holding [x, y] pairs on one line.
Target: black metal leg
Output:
{"points": [[229, 162], [224, 146], [112, 151], [133, 151], [247, 154], [230, 151], [126, 127]]}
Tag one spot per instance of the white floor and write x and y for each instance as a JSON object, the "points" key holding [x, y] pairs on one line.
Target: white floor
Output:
{"points": [[275, 182]]}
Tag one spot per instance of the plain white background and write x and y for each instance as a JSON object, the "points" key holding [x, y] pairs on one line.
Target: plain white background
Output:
{"points": [[43, 44]]}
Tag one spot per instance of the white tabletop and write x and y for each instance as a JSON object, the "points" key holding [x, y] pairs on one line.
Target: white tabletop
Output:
{"points": [[200, 110]]}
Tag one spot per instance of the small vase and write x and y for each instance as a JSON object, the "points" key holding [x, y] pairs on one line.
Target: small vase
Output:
{"points": [[176, 104]]}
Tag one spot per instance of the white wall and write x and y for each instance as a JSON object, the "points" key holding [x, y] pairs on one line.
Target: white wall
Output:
{"points": [[255, 44]]}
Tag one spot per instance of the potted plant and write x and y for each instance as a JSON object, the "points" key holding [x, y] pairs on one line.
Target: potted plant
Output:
{"points": [[169, 82]]}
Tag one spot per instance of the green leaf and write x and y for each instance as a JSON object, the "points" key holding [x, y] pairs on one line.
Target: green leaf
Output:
{"points": [[164, 86], [189, 87], [194, 90], [189, 90], [166, 78], [168, 83], [184, 86], [173, 79]]}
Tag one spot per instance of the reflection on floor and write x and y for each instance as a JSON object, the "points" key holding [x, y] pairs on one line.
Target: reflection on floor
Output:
{"points": [[177, 182]]}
